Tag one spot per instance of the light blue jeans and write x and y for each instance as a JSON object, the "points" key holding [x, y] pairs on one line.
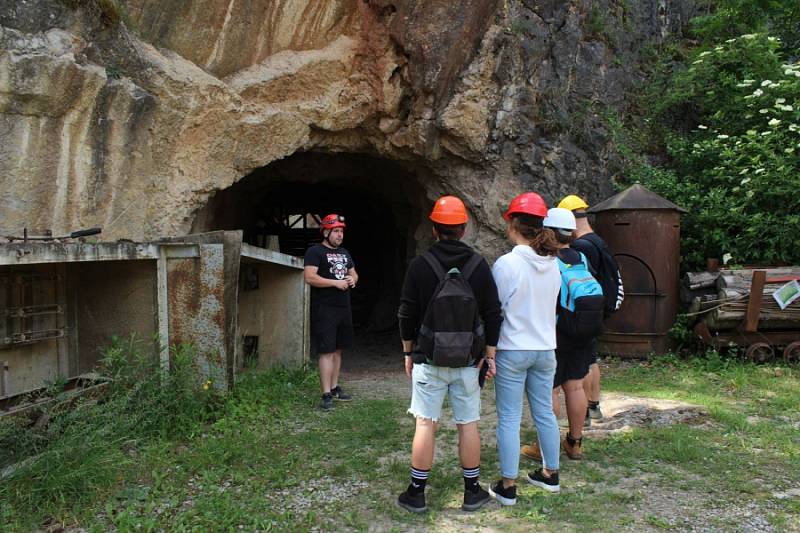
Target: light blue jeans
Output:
{"points": [[531, 372], [432, 383]]}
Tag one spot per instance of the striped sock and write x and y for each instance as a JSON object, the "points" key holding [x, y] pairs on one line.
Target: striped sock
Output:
{"points": [[419, 478], [471, 476]]}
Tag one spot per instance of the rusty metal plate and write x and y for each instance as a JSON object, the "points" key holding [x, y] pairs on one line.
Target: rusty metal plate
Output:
{"points": [[196, 309]]}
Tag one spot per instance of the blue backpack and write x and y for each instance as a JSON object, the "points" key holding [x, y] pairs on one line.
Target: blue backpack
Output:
{"points": [[580, 313]]}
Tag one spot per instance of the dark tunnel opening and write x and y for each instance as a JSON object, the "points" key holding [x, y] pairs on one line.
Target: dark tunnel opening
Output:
{"points": [[379, 198]]}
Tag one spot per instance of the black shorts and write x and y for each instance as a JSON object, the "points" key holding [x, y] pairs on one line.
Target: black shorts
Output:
{"points": [[332, 328], [593, 359], [572, 360]]}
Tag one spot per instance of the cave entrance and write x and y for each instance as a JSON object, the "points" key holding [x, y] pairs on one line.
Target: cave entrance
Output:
{"points": [[381, 201]]}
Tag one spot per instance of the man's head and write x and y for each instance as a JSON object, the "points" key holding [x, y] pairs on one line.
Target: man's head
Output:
{"points": [[449, 217], [578, 206], [332, 229], [562, 222]]}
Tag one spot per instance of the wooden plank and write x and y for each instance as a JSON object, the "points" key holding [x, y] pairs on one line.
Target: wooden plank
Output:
{"points": [[754, 301]]}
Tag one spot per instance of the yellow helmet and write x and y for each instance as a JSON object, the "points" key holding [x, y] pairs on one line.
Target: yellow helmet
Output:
{"points": [[573, 202]]}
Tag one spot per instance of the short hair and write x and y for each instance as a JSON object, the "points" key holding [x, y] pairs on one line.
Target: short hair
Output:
{"points": [[449, 232], [564, 236]]}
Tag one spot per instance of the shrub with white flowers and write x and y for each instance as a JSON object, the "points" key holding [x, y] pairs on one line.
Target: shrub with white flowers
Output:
{"points": [[737, 171]]}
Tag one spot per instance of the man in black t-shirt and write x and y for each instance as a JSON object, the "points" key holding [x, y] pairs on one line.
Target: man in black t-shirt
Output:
{"points": [[330, 271]]}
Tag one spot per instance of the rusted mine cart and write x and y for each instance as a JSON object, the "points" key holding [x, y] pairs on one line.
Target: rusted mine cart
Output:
{"points": [[742, 312]]}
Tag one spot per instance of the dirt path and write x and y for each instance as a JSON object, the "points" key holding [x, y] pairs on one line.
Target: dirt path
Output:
{"points": [[376, 371]]}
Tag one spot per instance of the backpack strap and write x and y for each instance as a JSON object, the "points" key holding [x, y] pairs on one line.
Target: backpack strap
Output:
{"points": [[563, 292], [585, 262], [471, 265], [593, 238], [434, 263]]}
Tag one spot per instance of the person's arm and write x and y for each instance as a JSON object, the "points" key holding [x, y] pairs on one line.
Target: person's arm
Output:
{"points": [[352, 277], [408, 360], [311, 277], [408, 316], [491, 314], [503, 279]]}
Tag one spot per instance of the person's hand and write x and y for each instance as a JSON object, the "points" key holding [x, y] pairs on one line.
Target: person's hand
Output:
{"points": [[350, 281], [409, 365], [341, 284], [492, 370]]}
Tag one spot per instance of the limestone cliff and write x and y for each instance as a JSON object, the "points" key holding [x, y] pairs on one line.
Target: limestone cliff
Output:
{"points": [[131, 114]]}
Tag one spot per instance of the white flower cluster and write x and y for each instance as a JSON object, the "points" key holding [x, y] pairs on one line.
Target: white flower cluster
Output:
{"points": [[775, 99]]}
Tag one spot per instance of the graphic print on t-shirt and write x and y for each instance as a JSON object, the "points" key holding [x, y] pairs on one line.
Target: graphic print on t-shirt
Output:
{"points": [[338, 265]]}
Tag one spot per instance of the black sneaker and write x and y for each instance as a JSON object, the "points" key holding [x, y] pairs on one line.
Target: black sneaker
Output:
{"points": [[327, 402], [549, 484], [339, 394], [475, 500], [504, 496], [412, 502]]}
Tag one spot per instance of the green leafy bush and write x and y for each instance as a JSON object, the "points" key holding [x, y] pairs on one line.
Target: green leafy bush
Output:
{"points": [[724, 19], [736, 170]]}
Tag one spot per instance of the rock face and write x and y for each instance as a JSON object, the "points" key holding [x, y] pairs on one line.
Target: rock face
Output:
{"points": [[131, 114]]}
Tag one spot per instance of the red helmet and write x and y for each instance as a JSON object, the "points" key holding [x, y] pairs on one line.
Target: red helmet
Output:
{"points": [[450, 211], [528, 203], [331, 221]]}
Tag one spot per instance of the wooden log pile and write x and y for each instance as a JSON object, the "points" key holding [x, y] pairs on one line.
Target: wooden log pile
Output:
{"points": [[720, 299]]}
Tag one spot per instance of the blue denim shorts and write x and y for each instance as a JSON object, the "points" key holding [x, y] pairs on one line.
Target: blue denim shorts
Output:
{"points": [[432, 383]]}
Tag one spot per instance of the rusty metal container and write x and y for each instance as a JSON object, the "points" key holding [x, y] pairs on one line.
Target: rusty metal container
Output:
{"points": [[642, 230]]}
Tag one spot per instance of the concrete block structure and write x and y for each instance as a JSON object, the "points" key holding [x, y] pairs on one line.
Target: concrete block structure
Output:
{"points": [[61, 303]]}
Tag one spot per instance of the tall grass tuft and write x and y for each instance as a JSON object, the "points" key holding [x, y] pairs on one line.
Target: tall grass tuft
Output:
{"points": [[76, 448]]}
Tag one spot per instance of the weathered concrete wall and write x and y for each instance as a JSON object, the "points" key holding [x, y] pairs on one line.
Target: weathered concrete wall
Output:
{"points": [[111, 298], [133, 126], [273, 312]]}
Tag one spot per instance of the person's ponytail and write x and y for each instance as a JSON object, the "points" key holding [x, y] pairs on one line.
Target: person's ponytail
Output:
{"points": [[543, 240]]}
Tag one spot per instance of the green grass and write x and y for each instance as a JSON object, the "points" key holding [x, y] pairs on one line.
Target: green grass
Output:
{"points": [[269, 459]]}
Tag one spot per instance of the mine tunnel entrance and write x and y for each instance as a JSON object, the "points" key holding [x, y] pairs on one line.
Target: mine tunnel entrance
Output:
{"points": [[382, 203]]}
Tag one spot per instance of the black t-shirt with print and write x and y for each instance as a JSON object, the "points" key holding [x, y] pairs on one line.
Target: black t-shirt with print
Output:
{"points": [[332, 263]]}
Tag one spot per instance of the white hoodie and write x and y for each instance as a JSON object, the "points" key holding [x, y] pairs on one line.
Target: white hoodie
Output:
{"points": [[528, 286]]}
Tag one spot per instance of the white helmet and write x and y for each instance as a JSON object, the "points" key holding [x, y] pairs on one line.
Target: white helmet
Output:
{"points": [[560, 218]]}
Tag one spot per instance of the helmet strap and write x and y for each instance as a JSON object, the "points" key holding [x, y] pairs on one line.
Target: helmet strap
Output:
{"points": [[325, 237]]}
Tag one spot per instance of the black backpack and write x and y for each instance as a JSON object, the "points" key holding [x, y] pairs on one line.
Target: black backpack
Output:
{"points": [[451, 333], [608, 275]]}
